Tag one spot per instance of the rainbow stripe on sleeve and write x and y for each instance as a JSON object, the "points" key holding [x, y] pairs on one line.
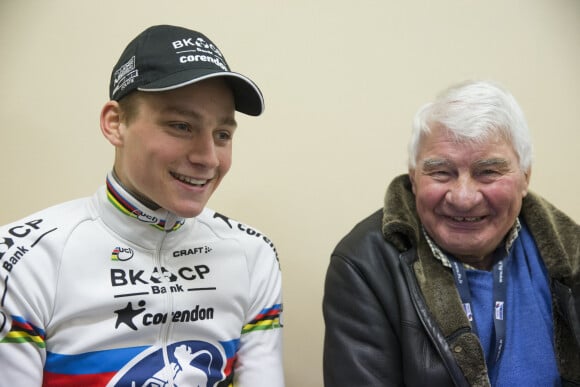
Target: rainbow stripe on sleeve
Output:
{"points": [[23, 331], [268, 318]]}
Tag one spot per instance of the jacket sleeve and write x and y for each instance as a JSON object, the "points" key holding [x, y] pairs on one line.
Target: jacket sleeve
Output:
{"points": [[360, 344], [259, 360]]}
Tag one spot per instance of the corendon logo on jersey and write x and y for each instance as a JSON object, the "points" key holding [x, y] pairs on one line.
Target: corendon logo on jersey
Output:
{"points": [[135, 316], [248, 230]]}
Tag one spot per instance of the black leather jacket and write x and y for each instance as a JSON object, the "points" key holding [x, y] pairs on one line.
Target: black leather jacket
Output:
{"points": [[393, 315]]}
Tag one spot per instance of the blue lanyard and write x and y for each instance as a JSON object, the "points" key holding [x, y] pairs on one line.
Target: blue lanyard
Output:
{"points": [[499, 297]]}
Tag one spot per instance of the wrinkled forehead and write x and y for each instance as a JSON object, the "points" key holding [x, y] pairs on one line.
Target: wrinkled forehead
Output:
{"points": [[490, 134], [441, 140], [475, 140]]}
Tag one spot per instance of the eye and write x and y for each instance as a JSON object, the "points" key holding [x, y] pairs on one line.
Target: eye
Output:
{"points": [[181, 126], [489, 173], [439, 174], [491, 169], [223, 135]]}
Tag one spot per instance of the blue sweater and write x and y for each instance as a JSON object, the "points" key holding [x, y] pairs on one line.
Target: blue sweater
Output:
{"points": [[528, 357]]}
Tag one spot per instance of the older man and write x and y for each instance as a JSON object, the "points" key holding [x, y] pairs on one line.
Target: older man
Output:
{"points": [[464, 277]]}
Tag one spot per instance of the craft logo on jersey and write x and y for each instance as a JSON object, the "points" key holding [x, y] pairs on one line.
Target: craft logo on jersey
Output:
{"points": [[191, 363], [192, 251]]}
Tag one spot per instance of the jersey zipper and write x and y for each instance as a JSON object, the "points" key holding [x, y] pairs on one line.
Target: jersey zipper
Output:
{"points": [[167, 308]]}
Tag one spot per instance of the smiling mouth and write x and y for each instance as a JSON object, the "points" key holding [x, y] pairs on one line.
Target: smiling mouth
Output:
{"points": [[190, 180], [466, 219]]}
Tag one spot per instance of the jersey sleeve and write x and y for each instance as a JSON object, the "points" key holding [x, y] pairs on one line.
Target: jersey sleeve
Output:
{"points": [[259, 359], [25, 274]]}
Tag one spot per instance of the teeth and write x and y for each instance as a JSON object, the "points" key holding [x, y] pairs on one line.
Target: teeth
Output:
{"points": [[466, 219], [189, 180]]}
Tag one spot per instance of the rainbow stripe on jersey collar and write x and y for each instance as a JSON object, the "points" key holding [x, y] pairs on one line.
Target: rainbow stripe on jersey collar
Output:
{"points": [[124, 205]]}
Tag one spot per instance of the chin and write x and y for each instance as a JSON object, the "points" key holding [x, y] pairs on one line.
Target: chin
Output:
{"points": [[189, 213], [187, 208]]}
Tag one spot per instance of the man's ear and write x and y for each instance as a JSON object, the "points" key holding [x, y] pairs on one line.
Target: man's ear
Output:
{"points": [[111, 123], [527, 177]]}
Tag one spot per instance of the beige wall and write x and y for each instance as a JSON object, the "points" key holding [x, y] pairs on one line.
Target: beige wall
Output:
{"points": [[342, 80]]}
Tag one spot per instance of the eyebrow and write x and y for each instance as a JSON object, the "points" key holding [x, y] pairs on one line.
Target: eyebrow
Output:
{"points": [[430, 164], [495, 162]]}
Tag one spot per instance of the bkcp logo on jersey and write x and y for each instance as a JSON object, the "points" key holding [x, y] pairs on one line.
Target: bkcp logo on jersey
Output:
{"points": [[192, 363]]}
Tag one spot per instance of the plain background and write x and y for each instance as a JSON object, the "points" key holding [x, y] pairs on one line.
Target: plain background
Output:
{"points": [[342, 80]]}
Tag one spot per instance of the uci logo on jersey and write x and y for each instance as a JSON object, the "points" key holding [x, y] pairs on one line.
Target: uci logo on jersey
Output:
{"points": [[143, 217], [121, 254]]}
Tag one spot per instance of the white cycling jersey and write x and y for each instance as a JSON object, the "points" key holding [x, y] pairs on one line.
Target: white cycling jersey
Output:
{"points": [[104, 291]]}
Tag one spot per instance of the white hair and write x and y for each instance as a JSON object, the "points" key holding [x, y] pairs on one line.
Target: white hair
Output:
{"points": [[474, 111]]}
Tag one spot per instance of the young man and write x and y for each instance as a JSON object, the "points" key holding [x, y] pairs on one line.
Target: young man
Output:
{"points": [[141, 284], [464, 277]]}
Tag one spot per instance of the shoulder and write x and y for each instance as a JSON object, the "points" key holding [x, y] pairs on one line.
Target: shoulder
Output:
{"points": [[224, 227], [365, 249], [50, 224], [32, 247], [555, 235], [367, 232], [60, 214]]}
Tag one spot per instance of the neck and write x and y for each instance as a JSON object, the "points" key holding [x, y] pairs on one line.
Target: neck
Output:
{"points": [[482, 263], [147, 202]]}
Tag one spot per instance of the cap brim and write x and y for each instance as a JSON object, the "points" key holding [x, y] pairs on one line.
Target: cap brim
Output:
{"points": [[247, 96]]}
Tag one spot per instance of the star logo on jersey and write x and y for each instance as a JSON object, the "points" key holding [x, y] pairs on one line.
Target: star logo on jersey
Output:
{"points": [[127, 314]]}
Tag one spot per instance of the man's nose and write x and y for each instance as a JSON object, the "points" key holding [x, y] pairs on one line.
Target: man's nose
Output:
{"points": [[464, 194], [203, 151]]}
